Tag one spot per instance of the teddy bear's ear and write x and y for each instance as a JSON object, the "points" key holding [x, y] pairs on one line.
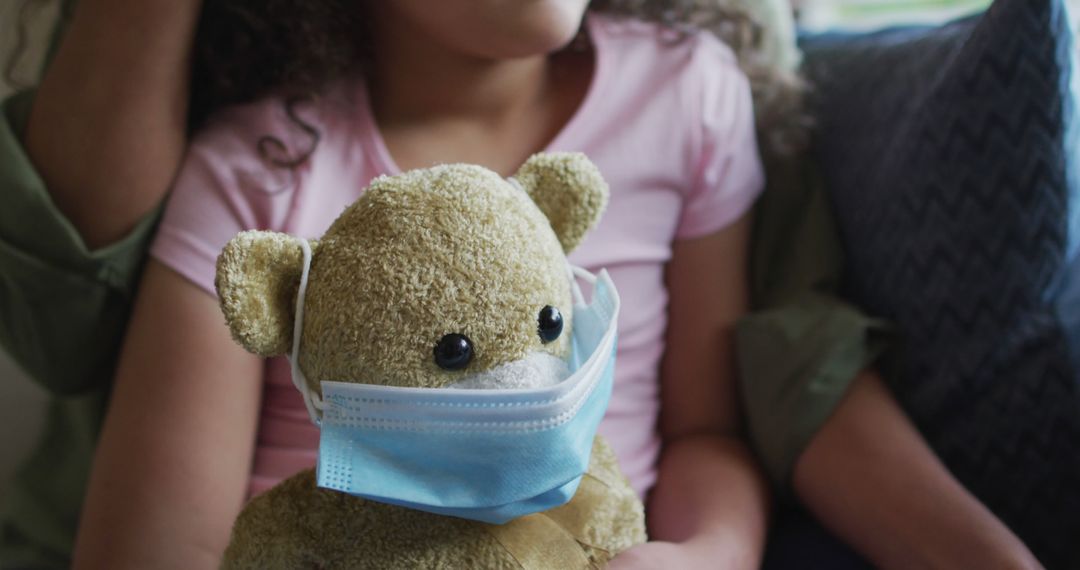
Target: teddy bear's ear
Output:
{"points": [[258, 276], [569, 190]]}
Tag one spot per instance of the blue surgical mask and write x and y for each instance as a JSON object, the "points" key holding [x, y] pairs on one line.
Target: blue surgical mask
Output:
{"points": [[489, 455]]}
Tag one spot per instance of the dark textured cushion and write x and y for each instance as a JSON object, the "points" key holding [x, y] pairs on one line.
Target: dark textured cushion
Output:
{"points": [[950, 155]]}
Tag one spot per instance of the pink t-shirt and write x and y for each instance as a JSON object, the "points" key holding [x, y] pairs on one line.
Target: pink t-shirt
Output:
{"points": [[670, 125]]}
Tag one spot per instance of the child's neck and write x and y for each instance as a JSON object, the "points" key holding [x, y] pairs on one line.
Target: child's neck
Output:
{"points": [[434, 105], [406, 88]]}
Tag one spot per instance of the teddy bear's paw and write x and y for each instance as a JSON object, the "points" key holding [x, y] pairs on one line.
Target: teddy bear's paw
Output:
{"points": [[604, 518], [617, 504], [297, 525]]}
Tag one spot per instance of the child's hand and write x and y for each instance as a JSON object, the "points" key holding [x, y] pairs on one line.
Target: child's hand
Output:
{"points": [[653, 555]]}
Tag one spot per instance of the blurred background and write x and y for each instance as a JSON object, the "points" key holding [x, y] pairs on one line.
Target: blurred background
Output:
{"points": [[21, 403], [819, 15]]}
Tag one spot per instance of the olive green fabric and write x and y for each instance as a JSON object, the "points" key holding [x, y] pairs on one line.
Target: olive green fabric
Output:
{"points": [[63, 310], [41, 508], [62, 307], [801, 346]]}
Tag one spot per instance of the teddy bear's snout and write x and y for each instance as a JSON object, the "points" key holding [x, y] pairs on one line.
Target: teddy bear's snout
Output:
{"points": [[537, 370]]}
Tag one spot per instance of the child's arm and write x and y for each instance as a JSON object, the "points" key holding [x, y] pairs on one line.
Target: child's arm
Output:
{"points": [[871, 479], [172, 466], [709, 506]]}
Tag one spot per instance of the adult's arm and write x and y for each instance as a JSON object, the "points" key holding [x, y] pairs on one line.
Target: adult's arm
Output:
{"points": [[868, 475], [823, 421], [56, 296], [84, 160], [107, 128]]}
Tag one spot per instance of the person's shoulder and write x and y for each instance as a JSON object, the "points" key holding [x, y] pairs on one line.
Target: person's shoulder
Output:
{"points": [[287, 118], [690, 77], [257, 140], [652, 47]]}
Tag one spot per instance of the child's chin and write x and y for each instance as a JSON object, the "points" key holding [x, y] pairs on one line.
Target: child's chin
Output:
{"points": [[538, 46], [544, 26]]}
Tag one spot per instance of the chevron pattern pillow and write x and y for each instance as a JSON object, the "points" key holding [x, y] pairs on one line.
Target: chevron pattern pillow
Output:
{"points": [[951, 155]]}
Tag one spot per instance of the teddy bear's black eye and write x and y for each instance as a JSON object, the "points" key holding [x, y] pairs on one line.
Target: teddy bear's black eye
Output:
{"points": [[453, 352], [550, 324]]}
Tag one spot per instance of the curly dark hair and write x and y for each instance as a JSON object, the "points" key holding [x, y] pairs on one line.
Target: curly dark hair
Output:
{"points": [[246, 49]]}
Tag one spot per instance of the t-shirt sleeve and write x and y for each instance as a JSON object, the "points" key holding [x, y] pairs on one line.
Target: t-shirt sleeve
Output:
{"points": [[223, 188], [58, 296], [728, 174]]}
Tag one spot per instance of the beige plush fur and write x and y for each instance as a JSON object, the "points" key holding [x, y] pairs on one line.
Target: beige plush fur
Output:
{"points": [[449, 249], [296, 525]]}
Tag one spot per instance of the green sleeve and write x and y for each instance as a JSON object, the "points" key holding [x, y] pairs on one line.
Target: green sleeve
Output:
{"points": [[802, 345], [63, 308], [63, 311], [39, 512]]}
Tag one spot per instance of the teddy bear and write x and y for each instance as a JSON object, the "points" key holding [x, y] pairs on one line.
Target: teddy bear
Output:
{"points": [[445, 277]]}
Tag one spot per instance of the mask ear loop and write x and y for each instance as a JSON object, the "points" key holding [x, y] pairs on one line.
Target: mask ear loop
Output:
{"points": [[312, 401], [573, 271]]}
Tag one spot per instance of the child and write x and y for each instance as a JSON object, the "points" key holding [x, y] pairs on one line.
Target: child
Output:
{"points": [[670, 124], [197, 425]]}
